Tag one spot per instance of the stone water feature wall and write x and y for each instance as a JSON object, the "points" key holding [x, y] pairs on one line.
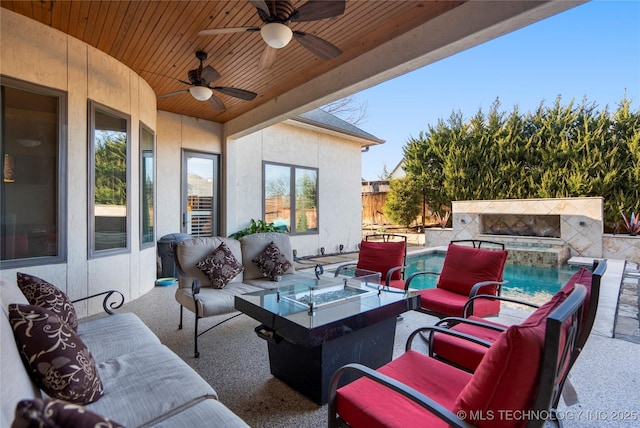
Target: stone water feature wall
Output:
{"points": [[543, 232]]}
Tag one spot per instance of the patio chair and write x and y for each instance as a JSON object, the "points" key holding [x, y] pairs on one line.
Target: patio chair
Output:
{"points": [[452, 345], [518, 380], [467, 271], [382, 252]]}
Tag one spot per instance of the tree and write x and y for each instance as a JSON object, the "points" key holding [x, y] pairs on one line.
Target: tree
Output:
{"points": [[348, 109], [559, 151], [403, 201]]}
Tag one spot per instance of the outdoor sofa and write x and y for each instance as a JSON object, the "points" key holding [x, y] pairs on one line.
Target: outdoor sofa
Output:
{"points": [[143, 383]]}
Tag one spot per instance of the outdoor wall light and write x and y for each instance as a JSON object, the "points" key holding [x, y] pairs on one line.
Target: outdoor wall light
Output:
{"points": [[9, 169], [295, 252], [463, 221], [340, 247], [201, 93], [322, 250], [276, 35], [582, 223]]}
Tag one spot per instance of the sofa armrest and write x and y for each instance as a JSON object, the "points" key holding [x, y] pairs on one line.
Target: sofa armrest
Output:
{"points": [[106, 305]]}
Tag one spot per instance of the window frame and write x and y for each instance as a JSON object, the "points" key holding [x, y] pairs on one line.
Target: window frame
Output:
{"points": [[92, 252], [152, 243], [61, 173], [292, 203]]}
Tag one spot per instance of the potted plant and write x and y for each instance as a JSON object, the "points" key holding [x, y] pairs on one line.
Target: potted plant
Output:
{"points": [[259, 226], [632, 224]]}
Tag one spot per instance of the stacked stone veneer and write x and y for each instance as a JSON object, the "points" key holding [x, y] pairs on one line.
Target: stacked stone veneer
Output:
{"points": [[581, 228]]}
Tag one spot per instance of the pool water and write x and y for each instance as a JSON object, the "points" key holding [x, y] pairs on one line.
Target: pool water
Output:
{"points": [[532, 283]]}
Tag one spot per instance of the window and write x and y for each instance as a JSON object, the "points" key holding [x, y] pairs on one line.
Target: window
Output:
{"points": [[291, 189], [147, 187], [109, 199], [32, 189]]}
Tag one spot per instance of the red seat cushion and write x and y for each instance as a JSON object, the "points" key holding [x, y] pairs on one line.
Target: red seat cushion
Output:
{"points": [[451, 304], [507, 378], [462, 352], [365, 403], [465, 266], [381, 256]]}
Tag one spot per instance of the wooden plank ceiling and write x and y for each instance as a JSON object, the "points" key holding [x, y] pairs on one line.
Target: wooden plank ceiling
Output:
{"points": [[158, 40]]}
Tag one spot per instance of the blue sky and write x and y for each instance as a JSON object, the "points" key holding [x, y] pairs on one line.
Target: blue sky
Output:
{"points": [[591, 51]]}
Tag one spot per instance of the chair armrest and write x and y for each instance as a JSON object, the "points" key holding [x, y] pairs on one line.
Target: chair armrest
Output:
{"points": [[402, 389], [413, 275], [390, 272], [344, 267], [476, 288], [468, 308], [195, 286], [106, 306], [452, 321]]}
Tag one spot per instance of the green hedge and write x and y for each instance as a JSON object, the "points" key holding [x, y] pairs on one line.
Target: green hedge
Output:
{"points": [[553, 152]]}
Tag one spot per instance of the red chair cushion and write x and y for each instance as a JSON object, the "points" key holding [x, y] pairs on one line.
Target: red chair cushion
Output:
{"points": [[365, 403], [584, 277], [462, 352], [465, 266], [507, 378], [468, 354], [451, 304], [381, 256]]}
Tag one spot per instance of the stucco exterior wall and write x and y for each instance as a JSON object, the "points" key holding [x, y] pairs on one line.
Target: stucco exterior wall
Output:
{"points": [[174, 134], [338, 163], [84, 73]]}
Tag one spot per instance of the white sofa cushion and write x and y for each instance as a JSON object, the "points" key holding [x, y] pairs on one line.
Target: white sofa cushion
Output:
{"points": [[213, 301], [141, 386], [114, 335], [206, 413]]}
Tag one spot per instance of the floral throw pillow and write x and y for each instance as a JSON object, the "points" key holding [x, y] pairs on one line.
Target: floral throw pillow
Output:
{"points": [[221, 266], [52, 413], [272, 262], [56, 358], [41, 293]]}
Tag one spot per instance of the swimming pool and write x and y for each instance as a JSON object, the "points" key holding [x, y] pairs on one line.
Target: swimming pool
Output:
{"points": [[531, 283]]}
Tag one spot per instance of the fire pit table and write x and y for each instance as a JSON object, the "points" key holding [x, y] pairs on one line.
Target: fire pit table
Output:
{"points": [[313, 326]]}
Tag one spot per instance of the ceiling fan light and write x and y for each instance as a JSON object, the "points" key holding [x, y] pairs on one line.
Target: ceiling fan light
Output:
{"points": [[276, 35], [201, 93]]}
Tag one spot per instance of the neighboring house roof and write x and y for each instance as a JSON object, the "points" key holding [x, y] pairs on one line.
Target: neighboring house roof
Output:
{"points": [[322, 119], [398, 171]]}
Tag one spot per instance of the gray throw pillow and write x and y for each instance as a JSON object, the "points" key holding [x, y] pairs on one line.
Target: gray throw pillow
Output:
{"points": [[272, 262], [41, 293], [221, 266], [52, 413], [56, 358]]}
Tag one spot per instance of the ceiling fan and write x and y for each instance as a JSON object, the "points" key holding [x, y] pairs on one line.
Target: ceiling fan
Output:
{"points": [[200, 80], [276, 15]]}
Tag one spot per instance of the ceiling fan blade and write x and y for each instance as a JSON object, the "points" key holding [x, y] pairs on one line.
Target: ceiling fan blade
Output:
{"points": [[174, 93], [318, 46], [314, 10], [209, 74], [216, 31], [267, 58], [215, 103], [260, 5], [235, 92]]}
